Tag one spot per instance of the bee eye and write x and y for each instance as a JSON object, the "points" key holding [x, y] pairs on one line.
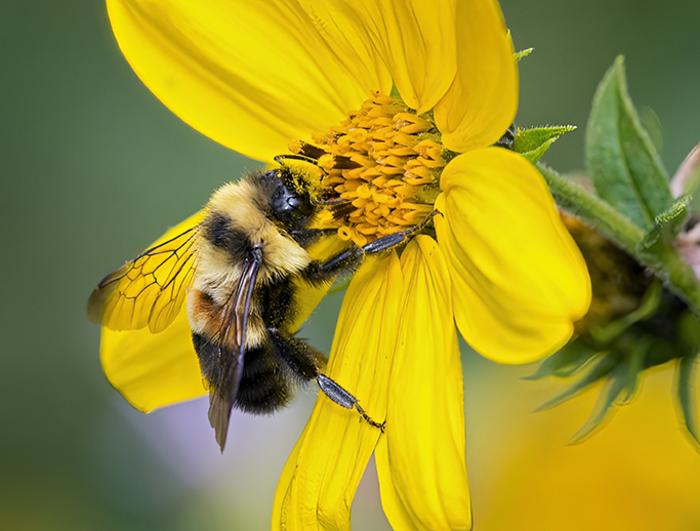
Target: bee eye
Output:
{"points": [[288, 207]]}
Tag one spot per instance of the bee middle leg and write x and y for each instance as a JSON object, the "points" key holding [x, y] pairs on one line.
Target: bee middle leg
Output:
{"points": [[306, 363]]}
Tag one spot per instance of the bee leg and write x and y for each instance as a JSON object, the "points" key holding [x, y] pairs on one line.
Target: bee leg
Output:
{"points": [[397, 238], [302, 359], [319, 272], [343, 398], [348, 259], [306, 236], [508, 139]]}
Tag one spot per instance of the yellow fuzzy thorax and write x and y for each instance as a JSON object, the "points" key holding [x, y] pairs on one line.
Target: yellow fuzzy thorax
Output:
{"points": [[381, 169]]}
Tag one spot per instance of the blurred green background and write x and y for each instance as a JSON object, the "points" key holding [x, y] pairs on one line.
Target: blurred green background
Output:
{"points": [[94, 168]]}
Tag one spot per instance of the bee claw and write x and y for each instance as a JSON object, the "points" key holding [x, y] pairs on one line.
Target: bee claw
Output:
{"points": [[343, 398], [379, 425]]}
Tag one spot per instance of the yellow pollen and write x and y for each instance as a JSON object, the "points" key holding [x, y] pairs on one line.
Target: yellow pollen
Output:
{"points": [[381, 170]]}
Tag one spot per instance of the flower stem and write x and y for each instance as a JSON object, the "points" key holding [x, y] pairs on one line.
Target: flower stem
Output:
{"points": [[664, 261]]}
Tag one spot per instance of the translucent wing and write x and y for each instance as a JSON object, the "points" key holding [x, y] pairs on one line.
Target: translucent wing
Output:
{"points": [[150, 289], [226, 351]]}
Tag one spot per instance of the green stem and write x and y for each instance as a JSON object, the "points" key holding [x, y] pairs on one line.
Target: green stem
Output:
{"points": [[596, 213], [666, 262]]}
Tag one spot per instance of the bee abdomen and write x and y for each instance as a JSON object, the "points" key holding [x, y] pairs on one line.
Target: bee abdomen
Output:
{"points": [[264, 388], [208, 355]]}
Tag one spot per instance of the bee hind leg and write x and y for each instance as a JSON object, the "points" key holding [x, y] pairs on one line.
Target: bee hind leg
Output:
{"points": [[305, 362], [343, 398], [302, 360]]}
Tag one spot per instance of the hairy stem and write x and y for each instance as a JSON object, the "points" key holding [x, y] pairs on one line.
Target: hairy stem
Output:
{"points": [[665, 262]]}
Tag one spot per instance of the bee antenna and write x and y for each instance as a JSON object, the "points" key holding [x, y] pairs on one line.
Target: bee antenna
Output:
{"points": [[279, 159]]}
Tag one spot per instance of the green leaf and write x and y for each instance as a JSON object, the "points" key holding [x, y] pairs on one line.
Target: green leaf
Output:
{"points": [[684, 388], [668, 224], [534, 142], [624, 165], [652, 125], [522, 54]]}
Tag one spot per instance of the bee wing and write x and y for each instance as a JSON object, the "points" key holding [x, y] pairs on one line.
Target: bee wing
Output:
{"points": [[230, 349], [150, 289]]}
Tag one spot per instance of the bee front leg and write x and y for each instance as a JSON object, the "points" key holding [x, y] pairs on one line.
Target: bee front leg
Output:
{"points": [[346, 261], [305, 236], [343, 398], [319, 272]]}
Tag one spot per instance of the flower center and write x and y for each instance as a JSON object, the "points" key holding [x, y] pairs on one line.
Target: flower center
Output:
{"points": [[381, 170]]}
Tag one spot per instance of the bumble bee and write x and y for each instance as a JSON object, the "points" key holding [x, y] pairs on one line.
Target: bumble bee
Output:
{"points": [[239, 268]]}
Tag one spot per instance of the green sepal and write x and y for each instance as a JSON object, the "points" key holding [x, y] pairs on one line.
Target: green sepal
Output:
{"points": [[601, 369], [534, 142], [686, 396], [566, 362], [634, 365], [650, 303], [613, 389], [623, 163], [622, 381], [689, 331], [522, 54], [667, 225]]}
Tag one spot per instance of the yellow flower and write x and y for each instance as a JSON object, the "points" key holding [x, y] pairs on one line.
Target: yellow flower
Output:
{"points": [[414, 94]]}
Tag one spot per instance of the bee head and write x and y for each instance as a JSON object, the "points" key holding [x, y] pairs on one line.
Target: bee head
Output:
{"points": [[289, 197]]}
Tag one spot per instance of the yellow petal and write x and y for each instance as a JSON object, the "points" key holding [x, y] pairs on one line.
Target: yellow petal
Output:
{"points": [[322, 473], [519, 281], [421, 460], [417, 41], [482, 101], [251, 75], [153, 370]]}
